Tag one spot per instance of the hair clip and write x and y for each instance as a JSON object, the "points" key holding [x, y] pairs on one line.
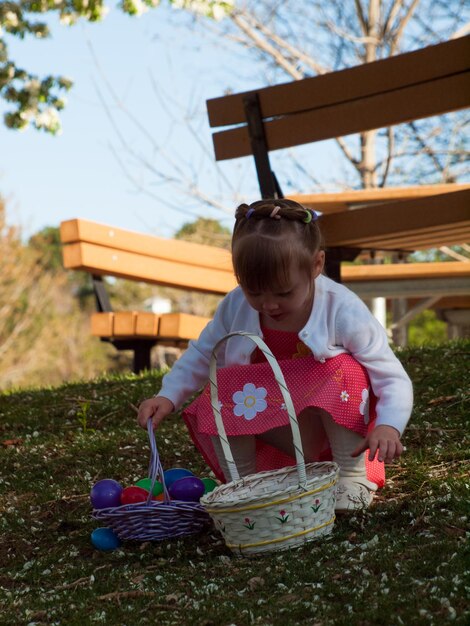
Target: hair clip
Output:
{"points": [[249, 213], [274, 213], [311, 215]]}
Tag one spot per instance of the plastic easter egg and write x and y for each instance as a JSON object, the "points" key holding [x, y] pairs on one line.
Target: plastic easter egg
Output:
{"points": [[171, 475], [188, 489], [134, 495], [106, 493], [159, 498], [209, 484], [146, 483], [105, 539]]}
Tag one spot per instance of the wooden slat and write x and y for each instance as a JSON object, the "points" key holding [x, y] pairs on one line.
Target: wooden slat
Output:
{"points": [[453, 302], [406, 271], [147, 324], [181, 325], [102, 324], [108, 261], [416, 240], [78, 230], [446, 302], [409, 288], [362, 81], [132, 324], [351, 199], [444, 216], [377, 111], [124, 323], [411, 241]]}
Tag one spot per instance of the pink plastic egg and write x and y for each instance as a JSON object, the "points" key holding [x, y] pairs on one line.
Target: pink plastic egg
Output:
{"points": [[188, 489]]}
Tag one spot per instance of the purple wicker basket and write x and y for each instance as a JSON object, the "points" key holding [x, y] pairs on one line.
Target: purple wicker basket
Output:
{"points": [[153, 520]]}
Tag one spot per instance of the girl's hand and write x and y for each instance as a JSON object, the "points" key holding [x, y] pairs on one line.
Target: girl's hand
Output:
{"points": [[385, 440], [157, 408]]}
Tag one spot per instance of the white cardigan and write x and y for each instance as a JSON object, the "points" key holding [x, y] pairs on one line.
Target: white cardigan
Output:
{"points": [[339, 323]]}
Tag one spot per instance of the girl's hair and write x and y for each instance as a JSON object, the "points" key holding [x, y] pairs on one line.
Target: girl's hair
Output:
{"points": [[269, 238]]}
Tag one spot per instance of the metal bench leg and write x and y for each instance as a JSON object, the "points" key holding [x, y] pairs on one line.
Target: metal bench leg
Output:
{"points": [[333, 259], [142, 357]]}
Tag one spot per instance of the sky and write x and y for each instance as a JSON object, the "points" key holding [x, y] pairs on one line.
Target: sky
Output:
{"points": [[127, 155]]}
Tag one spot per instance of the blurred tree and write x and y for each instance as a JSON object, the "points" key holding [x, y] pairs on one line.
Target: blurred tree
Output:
{"points": [[38, 101], [207, 231], [426, 328], [48, 247]]}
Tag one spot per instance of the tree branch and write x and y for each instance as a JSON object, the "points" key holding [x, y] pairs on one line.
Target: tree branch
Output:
{"points": [[454, 254], [392, 14], [399, 32], [282, 43], [361, 16], [266, 47], [389, 159]]}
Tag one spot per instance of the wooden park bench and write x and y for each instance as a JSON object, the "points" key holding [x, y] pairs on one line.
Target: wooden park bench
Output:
{"points": [[107, 251], [427, 82]]}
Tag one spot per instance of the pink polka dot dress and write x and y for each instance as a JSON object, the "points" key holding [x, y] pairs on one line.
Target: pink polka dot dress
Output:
{"points": [[251, 402]]}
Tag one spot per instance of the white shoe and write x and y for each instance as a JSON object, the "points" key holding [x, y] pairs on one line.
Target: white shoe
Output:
{"points": [[353, 494]]}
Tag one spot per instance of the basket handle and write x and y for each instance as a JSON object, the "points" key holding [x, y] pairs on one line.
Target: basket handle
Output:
{"points": [[155, 466], [299, 453]]}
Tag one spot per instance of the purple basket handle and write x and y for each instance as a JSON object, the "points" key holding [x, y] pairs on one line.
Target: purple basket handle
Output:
{"points": [[155, 466]]}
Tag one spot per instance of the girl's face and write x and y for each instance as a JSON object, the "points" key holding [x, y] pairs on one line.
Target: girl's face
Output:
{"points": [[290, 308]]}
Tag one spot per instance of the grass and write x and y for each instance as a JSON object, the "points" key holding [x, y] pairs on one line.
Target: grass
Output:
{"points": [[401, 562]]}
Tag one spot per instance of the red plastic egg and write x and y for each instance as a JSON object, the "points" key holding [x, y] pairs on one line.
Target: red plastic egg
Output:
{"points": [[134, 495], [188, 489]]}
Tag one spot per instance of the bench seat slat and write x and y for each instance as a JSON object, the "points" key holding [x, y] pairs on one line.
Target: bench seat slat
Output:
{"points": [[412, 242], [102, 324], [147, 324], [359, 198], [176, 325], [143, 324], [394, 271], [444, 217]]}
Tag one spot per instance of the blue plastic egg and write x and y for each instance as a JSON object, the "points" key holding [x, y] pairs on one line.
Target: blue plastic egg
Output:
{"points": [[188, 489], [175, 473], [105, 539]]}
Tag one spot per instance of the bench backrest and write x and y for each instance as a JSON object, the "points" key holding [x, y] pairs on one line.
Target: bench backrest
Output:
{"points": [[117, 244], [105, 250], [430, 81]]}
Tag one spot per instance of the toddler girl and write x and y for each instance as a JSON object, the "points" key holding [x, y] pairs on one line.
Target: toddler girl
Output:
{"points": [[350, 392]]}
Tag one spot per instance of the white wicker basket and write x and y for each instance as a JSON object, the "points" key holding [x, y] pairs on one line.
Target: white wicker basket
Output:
{"points": [[273, 510]]}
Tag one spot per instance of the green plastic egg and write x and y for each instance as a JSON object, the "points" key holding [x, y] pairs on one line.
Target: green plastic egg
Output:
{"points": [[209, 484], [145, 483]]}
